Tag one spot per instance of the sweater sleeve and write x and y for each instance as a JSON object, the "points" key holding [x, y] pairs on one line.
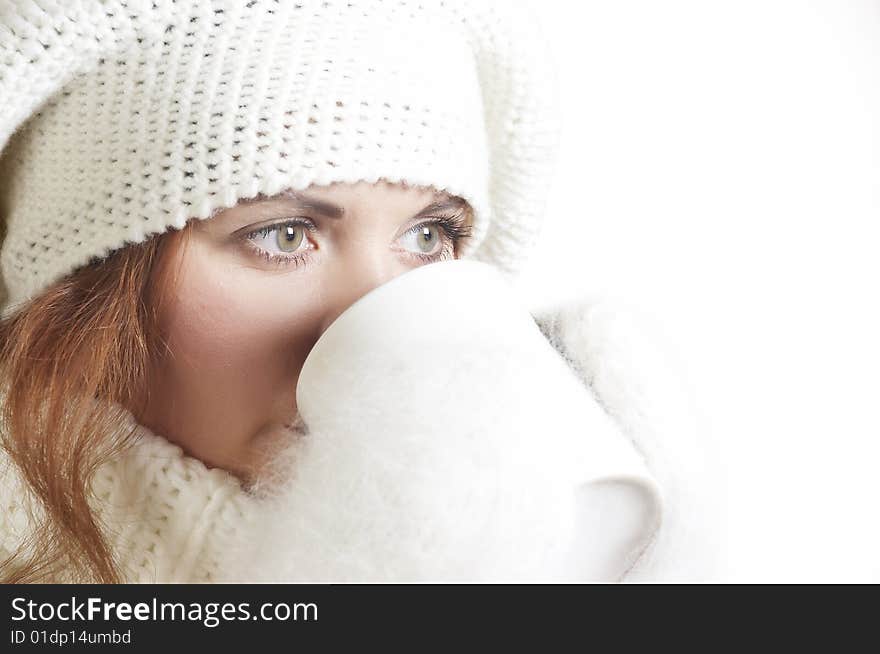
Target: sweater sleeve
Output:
{"points": [[628, 368]]}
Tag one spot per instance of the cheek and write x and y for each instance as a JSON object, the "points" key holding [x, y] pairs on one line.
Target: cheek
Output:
{"points": [[239, 337]]}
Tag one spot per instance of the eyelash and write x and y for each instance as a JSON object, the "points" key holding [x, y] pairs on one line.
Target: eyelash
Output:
{"points": [[453, 228]]}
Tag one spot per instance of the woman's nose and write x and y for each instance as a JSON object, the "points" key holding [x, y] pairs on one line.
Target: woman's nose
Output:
{"points": [[354, 276]]}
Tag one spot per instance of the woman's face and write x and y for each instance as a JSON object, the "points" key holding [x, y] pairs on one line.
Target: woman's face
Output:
{"points": [[257, 285]]}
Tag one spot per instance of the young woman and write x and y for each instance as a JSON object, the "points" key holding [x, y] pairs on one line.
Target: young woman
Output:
{"points": [[192, 193]]}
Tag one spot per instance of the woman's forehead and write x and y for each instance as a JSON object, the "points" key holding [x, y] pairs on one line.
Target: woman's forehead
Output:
{"points": [[338, 201]]}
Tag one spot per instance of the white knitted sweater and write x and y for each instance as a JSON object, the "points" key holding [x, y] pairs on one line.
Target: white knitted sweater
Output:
{"points": [[172, 519], [168, 515]]}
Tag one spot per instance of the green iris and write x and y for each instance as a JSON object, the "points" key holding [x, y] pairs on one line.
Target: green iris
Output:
{"points": [[289, 237], [427, 236]]}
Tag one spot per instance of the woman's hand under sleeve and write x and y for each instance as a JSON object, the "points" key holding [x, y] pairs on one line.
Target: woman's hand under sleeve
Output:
{"points": [[623, 359]]}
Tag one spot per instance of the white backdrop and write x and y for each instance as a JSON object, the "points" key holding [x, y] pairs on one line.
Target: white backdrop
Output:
{"points": [[720, 171]]}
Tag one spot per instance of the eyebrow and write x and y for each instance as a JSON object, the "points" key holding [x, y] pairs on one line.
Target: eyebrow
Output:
{"points": [[330, 210], [450, 202], [327, 209]]}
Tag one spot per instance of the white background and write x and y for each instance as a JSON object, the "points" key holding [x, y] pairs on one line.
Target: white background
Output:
{"points": [[719, 171]]}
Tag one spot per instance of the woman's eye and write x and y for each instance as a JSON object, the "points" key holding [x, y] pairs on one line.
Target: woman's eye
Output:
{"points": [[289, 237], [288, 241], [424, 239], [282, 239]]}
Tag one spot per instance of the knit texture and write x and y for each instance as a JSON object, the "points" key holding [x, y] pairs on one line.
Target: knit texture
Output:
{"points": [[122, 119], [167, 516]]}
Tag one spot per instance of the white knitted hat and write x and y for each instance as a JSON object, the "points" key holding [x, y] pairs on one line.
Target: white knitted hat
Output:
{"points": [[133, 116]]}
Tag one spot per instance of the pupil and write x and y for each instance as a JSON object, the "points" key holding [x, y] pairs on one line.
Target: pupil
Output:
{"points": [[287, 238]]}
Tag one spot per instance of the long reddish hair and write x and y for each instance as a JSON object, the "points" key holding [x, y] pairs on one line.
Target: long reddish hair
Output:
{"points": [[94, 334]]}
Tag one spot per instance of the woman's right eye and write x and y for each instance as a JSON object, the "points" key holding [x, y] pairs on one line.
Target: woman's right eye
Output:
{"points": [[282, 240]]}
